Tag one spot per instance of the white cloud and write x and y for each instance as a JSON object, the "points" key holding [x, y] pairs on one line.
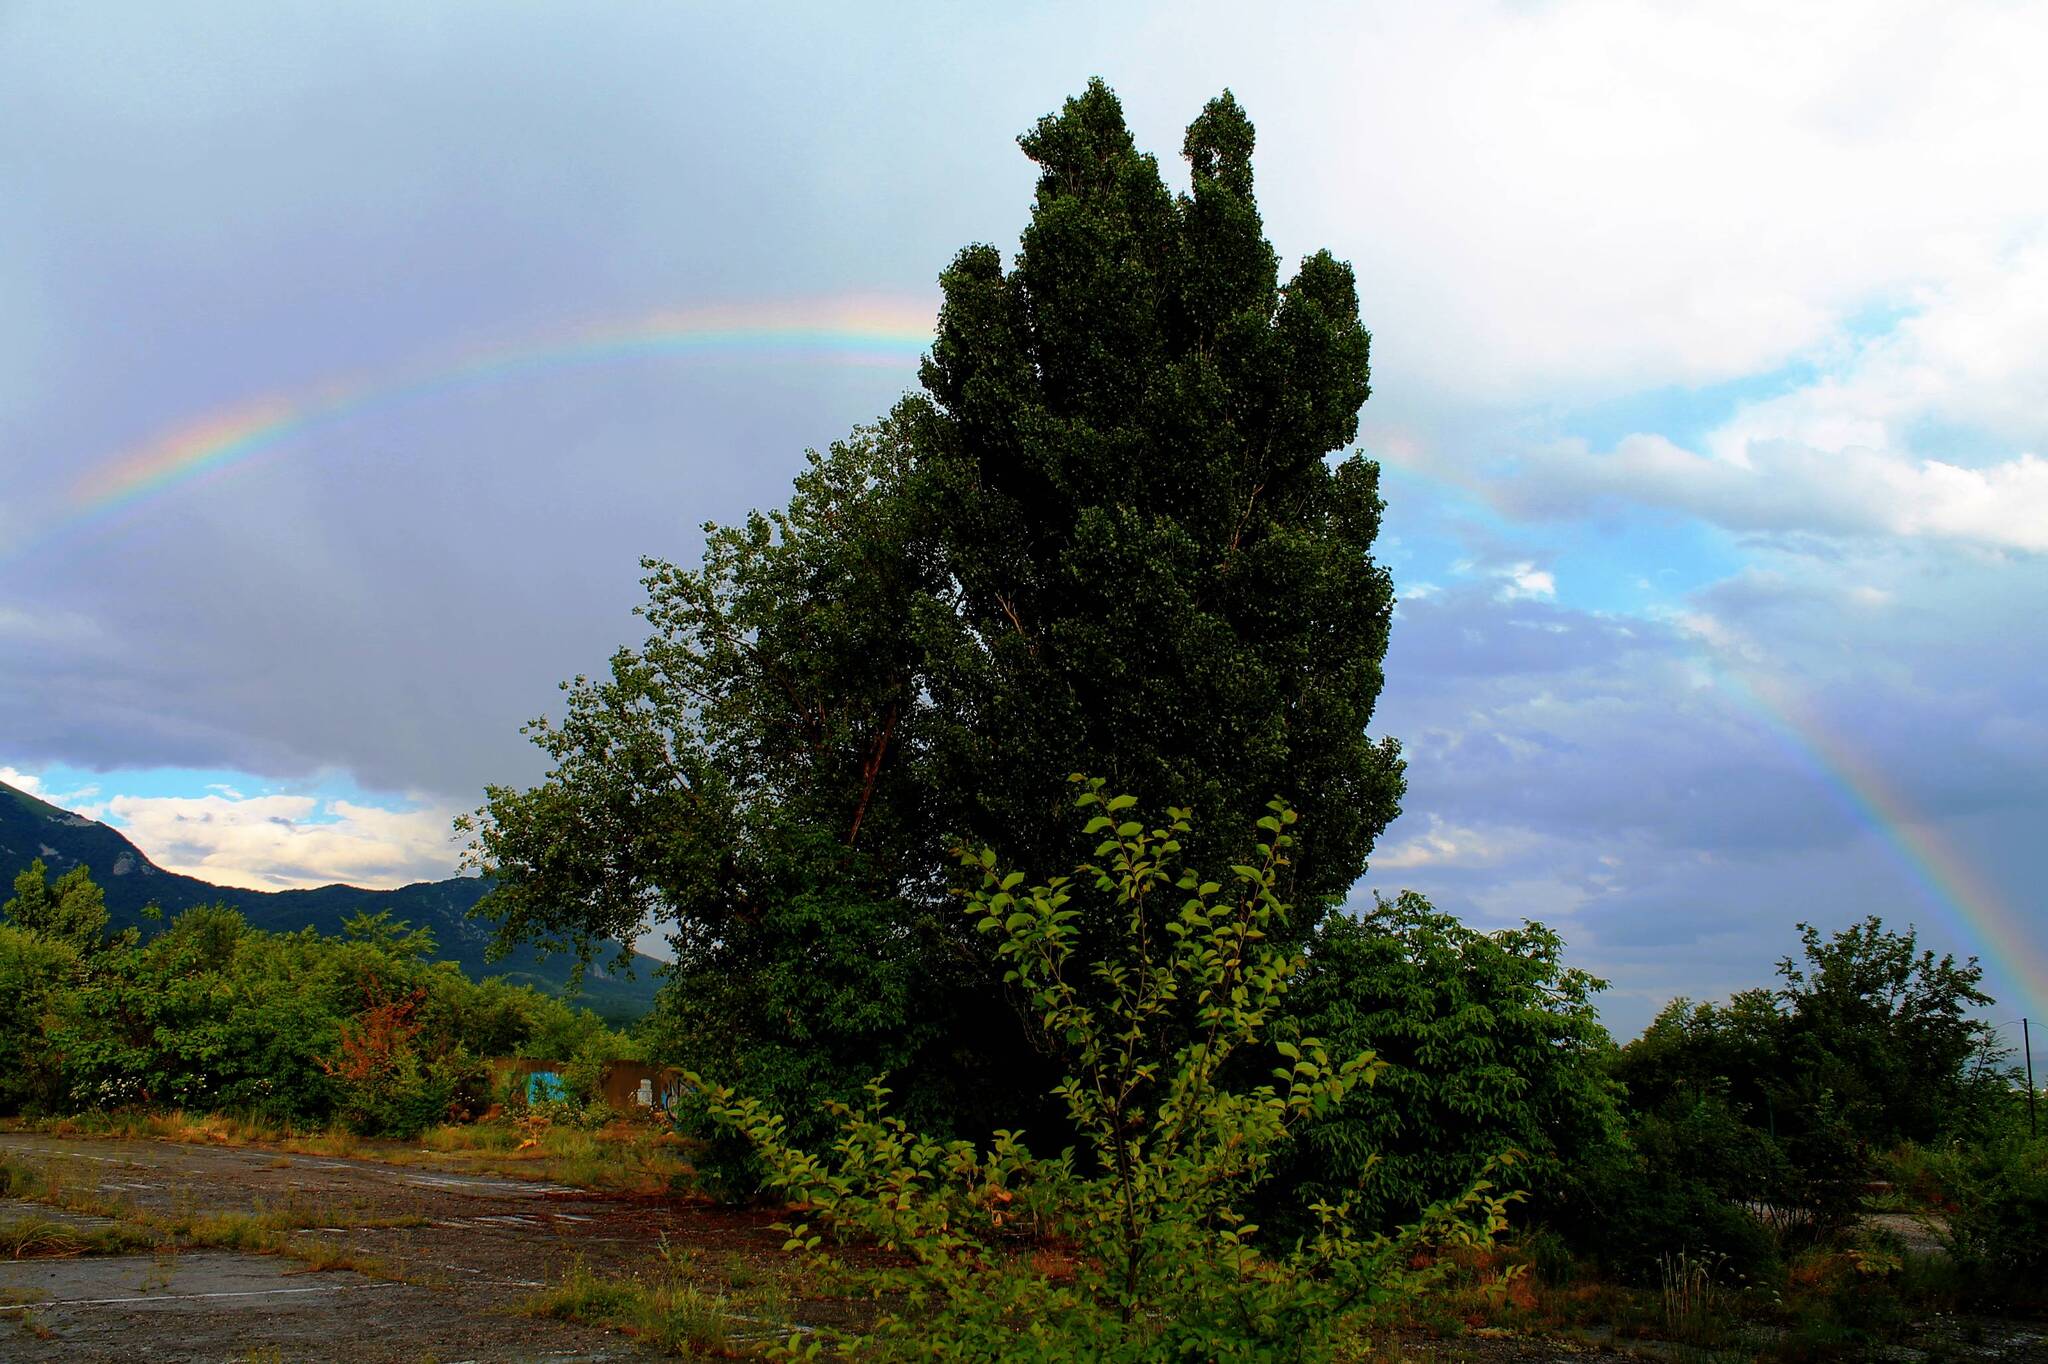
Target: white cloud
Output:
{"points": [[1929, 429], [46, 627], [1784, 485], [1526, 582], [37, 787], [287, 842], [1971, 354], [1450, 845], [1593, 197]]}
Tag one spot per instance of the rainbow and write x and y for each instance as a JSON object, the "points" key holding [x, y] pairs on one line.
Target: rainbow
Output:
{"points": [[1960, 894], [894, 331], [1941, 875], [855, 330]]}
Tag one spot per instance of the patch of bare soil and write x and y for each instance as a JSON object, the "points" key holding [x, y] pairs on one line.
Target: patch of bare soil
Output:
{"points": [[455, 1255]]}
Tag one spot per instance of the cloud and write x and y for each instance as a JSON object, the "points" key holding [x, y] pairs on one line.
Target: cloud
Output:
{"points": [[1579, 200], [1928, 427], [1638, 782], [1444, 845], [37, 787], [1584, 197], [1526, 582], [22, 781], [1782, 485], [1970, 353], [287, 842], [1813, 232]]}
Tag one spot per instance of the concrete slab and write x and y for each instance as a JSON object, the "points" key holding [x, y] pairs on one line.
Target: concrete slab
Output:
{"points": [[219, 1306]]}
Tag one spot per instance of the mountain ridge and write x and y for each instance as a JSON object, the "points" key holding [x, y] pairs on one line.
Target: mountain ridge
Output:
{"points": [[31, 828]]}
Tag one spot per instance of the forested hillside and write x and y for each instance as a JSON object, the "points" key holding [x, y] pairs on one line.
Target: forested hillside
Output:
{"points": [[32, 829]]}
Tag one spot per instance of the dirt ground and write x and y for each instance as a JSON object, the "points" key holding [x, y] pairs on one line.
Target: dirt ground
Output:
{"points": [[481, 1245], [472, 1248]]}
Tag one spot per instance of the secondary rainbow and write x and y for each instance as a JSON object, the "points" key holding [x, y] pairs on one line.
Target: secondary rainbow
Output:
{"points": [[1942, 875], [846, 330]]}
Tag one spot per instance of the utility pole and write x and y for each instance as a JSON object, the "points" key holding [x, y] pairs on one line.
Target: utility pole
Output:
{"points": [[2027, 1044]]}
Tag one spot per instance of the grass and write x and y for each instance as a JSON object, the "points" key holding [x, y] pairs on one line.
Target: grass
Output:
{"points": [[50, 1184], [1861, 1296], [294, 1216], [270, 1233], [1692, 1297], [261, 1232], [624, 1155], [44, 1238], [620, 1156], [26, 1318], [21, 1181], [673, 1317], [39, 1238]]}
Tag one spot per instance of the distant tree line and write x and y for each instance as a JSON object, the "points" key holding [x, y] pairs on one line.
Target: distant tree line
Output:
{"points": [[362, 1029]]}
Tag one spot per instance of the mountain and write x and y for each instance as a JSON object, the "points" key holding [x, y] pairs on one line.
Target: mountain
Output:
{"points": [[31, 828]]}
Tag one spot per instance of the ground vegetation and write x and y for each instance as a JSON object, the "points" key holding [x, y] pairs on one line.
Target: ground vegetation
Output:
{"points": [[364, 1029]]}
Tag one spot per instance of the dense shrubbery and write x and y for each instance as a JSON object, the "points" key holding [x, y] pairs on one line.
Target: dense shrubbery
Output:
{"points": [[1494, 1045], [1999, 1229], [212, 1015], [1758, 1123], [1148, 983]]}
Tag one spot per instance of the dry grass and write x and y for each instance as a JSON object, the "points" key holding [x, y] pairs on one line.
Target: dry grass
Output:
{"points": [[627, 1155], [623, 1156], [672, 1315], [53, 1185], [266, 1231], [44, 1238]]}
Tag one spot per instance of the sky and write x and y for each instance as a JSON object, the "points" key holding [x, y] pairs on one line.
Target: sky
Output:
{"points": [[352, 356]]}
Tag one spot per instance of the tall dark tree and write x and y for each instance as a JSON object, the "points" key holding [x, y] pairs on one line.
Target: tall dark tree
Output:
{"points": [[1106, 537]]}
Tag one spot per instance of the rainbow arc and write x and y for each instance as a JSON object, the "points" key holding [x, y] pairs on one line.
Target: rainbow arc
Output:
{"points": [[894, 331], [1942, 876], [845, 330]]}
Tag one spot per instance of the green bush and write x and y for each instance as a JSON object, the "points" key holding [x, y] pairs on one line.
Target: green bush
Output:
{"points": [[35, 973], [1149, 983], [1774, 1105], [381, 1083], [70, 910], [1684, 1187], [1999, 1230], [1494, 1043], [212, 1015]]}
